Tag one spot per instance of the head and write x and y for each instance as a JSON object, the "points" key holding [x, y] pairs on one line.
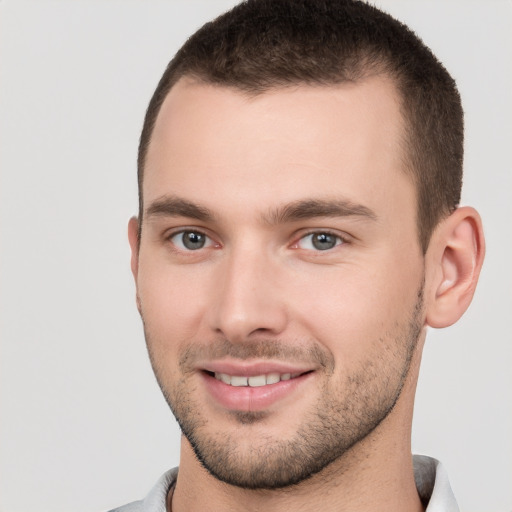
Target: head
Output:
{"points": [[299, 172], [275, 44]]}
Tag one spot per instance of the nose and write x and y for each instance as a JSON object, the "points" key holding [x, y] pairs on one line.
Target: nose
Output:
{"points": [[249, 300]]}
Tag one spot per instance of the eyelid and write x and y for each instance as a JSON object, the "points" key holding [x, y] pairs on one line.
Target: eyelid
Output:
{"points": [[171, 233], [343, 237]]}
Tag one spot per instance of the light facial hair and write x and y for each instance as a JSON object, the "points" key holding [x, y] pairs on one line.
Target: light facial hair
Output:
{"points": [[349, 408]]}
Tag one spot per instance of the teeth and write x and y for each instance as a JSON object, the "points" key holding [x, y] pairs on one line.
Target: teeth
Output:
{"points": [[273, 378], [239, 381], [256, 380], [224, 378]]}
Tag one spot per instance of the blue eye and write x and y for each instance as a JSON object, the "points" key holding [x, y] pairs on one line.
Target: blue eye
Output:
{"points": [[191, 240], [320, 241]]}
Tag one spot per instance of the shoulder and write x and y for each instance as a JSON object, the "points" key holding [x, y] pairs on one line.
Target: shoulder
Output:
{"points": [[155, 499], [135, 506], [433, 485]]}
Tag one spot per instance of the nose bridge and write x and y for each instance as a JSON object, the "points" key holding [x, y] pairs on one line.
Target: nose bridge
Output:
{"points": [[247, 299]]}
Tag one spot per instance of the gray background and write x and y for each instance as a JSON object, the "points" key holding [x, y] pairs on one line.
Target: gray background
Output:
{"points": [[83, 424]]}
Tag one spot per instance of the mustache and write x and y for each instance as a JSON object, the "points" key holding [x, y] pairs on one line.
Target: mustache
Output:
{"points": [[298, 352]]}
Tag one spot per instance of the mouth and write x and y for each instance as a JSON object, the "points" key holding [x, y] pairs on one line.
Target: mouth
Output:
{"points": [[254, 381], [254, 389]]}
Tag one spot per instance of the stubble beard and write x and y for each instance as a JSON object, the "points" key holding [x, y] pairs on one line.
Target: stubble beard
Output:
{"points": [[344, 415]]}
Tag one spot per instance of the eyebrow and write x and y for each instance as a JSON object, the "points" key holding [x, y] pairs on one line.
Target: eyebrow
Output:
{"points": [[170, 206], [311, 208]]}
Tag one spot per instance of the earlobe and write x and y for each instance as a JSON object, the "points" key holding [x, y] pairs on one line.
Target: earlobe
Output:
{"points": [[133, 238], [455, 257]]}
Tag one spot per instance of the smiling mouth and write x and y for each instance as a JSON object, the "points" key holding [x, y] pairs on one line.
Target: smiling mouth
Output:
{"points": [[254, 381]]}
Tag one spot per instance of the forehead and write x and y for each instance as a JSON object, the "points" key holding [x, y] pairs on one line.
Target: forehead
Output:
{"points": [[282, 145]]}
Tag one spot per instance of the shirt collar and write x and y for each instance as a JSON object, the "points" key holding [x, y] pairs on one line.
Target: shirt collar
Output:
{"points": [[433, 485]]}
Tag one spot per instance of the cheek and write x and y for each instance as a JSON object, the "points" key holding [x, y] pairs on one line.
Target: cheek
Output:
{"points": [[351, 310], [173, 302]]}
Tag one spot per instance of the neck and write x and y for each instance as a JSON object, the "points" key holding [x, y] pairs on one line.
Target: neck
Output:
{"points": [[371, 485]]}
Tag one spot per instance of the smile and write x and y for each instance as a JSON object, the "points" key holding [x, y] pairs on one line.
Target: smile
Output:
{"points": [[254, 381], [253, 387]]}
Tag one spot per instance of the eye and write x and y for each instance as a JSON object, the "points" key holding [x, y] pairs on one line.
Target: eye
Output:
{"points": [[320, 241], [191, 240]]}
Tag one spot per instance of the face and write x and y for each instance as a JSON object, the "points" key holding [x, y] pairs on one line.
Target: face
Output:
{"points": [[279, 274]]}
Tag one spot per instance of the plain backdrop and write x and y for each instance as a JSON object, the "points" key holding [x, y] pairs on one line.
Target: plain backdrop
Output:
{"points": [[83, 424]]}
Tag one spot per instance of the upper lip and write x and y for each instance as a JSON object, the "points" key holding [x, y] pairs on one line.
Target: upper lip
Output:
{"points": [[252, 368]]}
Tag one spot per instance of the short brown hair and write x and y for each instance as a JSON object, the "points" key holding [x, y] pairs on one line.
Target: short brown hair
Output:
{"points": [[268, 44]]}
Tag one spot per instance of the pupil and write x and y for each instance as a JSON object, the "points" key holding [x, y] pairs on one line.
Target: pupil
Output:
{"points": [[323, 241], [193, 240]]}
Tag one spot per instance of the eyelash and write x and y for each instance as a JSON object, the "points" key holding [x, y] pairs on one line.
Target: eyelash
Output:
{"points": [[340, 240], [209, 242]]}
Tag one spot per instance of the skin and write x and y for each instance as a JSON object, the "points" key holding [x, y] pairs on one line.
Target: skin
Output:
{"points": [[259, 292]]}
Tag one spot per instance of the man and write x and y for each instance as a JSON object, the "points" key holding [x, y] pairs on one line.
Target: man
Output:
{"points": [[300, 169]]}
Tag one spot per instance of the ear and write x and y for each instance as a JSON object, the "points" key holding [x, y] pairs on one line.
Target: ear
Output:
{"points": [[133, 238], [454, 259]]}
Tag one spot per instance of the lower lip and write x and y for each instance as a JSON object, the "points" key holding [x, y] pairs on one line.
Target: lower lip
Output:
{"points": [[246, 398]]}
